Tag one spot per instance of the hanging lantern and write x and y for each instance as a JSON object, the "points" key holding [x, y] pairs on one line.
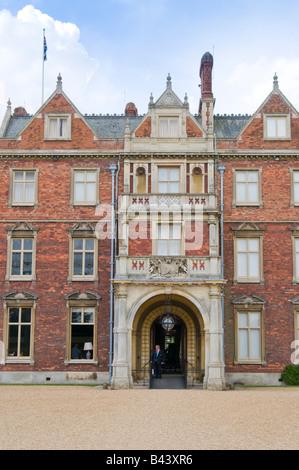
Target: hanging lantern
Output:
{"points": [[168, 319]]}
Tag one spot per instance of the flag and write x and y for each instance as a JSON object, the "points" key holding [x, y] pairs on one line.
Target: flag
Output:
{"points": [[45, 47]]}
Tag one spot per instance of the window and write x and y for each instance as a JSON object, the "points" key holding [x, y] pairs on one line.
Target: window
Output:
{"points": [[19, 313], [169, 127], [21, 257], [248, 259], [57, 127], [23, 187], [249, 336], [82, 308], [168, 180], [169, 239], [82, 333], [277, 127], [85, 187], [19, 332], [296, 258], [83, 253], [247, 187], [83, 257], [294, 187], [21, 253]]}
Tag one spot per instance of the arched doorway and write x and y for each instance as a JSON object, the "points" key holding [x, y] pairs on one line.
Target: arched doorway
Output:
{"points": [[173, 343], [185, 344]]}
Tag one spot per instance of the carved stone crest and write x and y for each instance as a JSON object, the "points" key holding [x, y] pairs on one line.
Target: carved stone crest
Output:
{"points": [[168, 267]]}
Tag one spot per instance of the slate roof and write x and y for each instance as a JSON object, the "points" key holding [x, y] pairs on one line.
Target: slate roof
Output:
{"points": [[113, 126], [15, 125], [228, 127], [110, 126]]}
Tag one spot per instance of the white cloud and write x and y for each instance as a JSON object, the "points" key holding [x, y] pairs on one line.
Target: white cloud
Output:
{"points": [[249, 84], [21, 52]]}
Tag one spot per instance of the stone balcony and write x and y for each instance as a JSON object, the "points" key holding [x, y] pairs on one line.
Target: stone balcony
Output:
{"points": [[208, 201], [167, 267]]}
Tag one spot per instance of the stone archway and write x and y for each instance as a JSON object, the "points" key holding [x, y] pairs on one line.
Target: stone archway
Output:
{"points": [[145, 317], [200, 308]]}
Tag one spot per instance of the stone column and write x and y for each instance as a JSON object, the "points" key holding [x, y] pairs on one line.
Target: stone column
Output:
{"points": [[120, 377], [215, 367]]}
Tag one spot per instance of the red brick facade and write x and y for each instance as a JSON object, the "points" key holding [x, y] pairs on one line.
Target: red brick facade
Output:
{"points": [[53, 217]]}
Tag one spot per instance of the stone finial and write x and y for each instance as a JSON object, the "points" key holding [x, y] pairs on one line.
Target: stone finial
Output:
{"points": [[275, 82], [186, 103], [59, 83], [168, 83], [127, 128], [151, 101], [6, 119]]}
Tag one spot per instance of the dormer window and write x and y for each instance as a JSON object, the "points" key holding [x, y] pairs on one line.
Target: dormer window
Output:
{"points": [[58, 127], [169, 126], [277, 127]]}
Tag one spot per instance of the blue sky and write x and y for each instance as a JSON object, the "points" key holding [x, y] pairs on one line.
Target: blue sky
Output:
{"points": [[110, 52]]}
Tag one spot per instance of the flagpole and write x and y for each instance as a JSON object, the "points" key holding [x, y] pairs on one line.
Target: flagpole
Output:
{"points": [[44, 59], [43, 70]]}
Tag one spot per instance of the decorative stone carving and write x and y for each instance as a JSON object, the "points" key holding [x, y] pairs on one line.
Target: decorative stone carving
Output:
{"points": [[168, 200], [249, 300], [168, 267]]}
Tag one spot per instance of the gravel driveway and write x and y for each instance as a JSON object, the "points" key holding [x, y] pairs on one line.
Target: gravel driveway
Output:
{"points": [[81, 417]]}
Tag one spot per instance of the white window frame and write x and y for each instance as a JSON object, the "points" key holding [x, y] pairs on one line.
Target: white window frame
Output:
{"points": [[156, 239], [21, 234], [12, 300], [276, 117], [249, 328], [12, 181], [82, 308], [295, 243], [294, 185], [58, 117], [83, 277], [248, 278], [168, 181], [236, 201], [75, 171], [165, 127]]}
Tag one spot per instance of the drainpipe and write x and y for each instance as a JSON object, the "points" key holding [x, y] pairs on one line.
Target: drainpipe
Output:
{"points": [[222, 168], [215, 163], [113, 169]]}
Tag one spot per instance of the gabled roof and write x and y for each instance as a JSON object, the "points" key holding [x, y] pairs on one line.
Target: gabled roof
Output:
{"points": [[59, 91], [275, 91], [169, 99]]}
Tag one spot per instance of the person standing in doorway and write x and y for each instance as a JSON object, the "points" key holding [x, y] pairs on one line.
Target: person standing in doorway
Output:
{"points": [[157, 360]]}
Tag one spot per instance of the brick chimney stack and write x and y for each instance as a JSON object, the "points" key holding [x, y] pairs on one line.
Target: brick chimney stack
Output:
{"points": [[207, 101], [205, 74]]}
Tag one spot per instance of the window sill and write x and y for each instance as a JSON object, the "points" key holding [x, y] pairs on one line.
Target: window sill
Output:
{"points": [[58, 139], [81, 279], [92, 204], [248, 281], [81, 361], [248, 204], [20, 279], [19, 361], [277, 138], [250, 362], [22, 204]]}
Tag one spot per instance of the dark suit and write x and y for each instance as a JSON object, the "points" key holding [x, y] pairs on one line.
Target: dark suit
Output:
{"points": [[157, 360]]}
